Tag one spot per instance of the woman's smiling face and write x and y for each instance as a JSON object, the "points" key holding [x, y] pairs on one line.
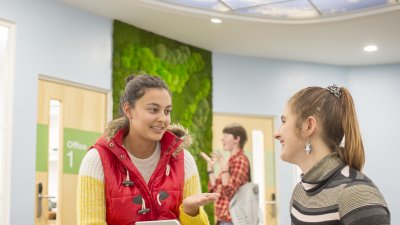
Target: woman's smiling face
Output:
{"points": [[289, 136], [151, 114]]}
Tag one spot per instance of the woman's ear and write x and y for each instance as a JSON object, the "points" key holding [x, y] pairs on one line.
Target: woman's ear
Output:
{"points": [[127, 110], [309, 126]]}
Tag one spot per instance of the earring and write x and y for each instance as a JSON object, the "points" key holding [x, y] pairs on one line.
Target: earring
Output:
{"points": [[308, 147]]}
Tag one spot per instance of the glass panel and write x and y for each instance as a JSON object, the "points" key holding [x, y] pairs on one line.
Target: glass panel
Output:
{"points": [[236, 4], [343, 6], [259, 165], [54, 142], [285, 9], [299, 9], [214, 5]]}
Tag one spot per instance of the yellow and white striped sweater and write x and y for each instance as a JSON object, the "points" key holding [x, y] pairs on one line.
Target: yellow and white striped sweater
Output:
{"points": [[91, 197]]}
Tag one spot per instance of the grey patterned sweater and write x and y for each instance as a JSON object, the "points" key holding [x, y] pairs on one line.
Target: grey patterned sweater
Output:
{"points": [[332, 193]]}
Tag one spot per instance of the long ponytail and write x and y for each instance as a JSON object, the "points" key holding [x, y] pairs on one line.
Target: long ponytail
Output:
{"points": [[353, 151]]}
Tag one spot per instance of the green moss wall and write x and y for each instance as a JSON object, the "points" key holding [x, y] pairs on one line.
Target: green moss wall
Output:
{"points": [[186, 70]]}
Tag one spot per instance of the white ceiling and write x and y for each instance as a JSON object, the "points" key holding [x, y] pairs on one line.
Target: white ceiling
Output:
{"points": [[335, 40]]}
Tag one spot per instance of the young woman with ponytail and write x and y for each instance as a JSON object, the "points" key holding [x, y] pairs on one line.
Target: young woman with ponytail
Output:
{"points": [[139, 170], [320, 134]]}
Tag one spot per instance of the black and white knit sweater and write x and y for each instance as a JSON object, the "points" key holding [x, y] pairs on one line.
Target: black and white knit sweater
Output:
{"points": [[332, 193]]}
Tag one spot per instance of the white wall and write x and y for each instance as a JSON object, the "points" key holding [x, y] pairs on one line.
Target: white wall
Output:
{"points": [[54, 40], [263, 86]]}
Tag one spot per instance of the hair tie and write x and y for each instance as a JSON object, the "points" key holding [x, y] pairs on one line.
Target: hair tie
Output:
{"points": [[335, 90]]}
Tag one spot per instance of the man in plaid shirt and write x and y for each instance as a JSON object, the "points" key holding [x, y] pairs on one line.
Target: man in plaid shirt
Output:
{"points": [[234, 171]]}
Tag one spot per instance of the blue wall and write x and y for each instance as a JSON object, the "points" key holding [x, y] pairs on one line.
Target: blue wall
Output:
{"points": [[263, 86], [376, 92], [59, 41]]}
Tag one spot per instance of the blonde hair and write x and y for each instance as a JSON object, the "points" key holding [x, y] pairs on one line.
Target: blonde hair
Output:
{"points": [[338, 120]]}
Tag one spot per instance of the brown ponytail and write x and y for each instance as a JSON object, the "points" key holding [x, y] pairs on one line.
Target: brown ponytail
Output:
{"points": [[353, 152]]}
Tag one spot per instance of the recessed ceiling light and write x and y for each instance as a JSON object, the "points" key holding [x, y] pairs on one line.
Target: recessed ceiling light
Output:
{"points": [[370, 48], [216, 20]]}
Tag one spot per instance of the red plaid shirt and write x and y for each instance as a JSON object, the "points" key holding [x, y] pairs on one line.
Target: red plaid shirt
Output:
{"points": [[238, 175]]}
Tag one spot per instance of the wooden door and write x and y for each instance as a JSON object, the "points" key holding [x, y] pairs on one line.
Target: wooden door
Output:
{"points": [[70, 119], [261, 144]]}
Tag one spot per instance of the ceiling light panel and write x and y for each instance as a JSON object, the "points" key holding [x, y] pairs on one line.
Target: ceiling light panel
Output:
{"points": [[298, 9], [286, 9], [213, 5], [216, 20], [370, 48], [346, 6], [237, 4]]}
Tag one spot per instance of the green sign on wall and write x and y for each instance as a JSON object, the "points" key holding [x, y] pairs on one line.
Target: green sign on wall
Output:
{"points": [[76, 144], [42, 151]]}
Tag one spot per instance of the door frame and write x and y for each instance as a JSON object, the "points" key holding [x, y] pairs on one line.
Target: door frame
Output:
{"points": [[5, 163], [84, 86], [273, 127], [108, 114]]}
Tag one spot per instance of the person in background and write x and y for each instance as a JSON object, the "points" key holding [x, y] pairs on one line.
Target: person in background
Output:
{"points": [[234, 171], [139, 170], [320, 134]]}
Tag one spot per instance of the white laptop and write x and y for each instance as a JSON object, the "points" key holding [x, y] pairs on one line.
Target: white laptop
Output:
{"points": [[159, 222]]}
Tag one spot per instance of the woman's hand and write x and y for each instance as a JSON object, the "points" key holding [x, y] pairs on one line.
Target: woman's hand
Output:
{"points": [[192, 203]]}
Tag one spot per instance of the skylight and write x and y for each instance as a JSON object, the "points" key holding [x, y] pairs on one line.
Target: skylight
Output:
{"points": [[286, 9]]}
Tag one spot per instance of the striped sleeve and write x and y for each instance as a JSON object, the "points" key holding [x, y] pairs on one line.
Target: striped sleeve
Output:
{"points": [[191, 187], [363, 205], [91, 201]]}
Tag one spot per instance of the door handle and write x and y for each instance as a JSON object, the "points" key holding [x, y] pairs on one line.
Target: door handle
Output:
{"points": [[40, 196], [45, 196], [39, 200]]}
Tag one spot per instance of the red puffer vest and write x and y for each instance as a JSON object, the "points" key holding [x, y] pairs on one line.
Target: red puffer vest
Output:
{"points": [[128, 198]]}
